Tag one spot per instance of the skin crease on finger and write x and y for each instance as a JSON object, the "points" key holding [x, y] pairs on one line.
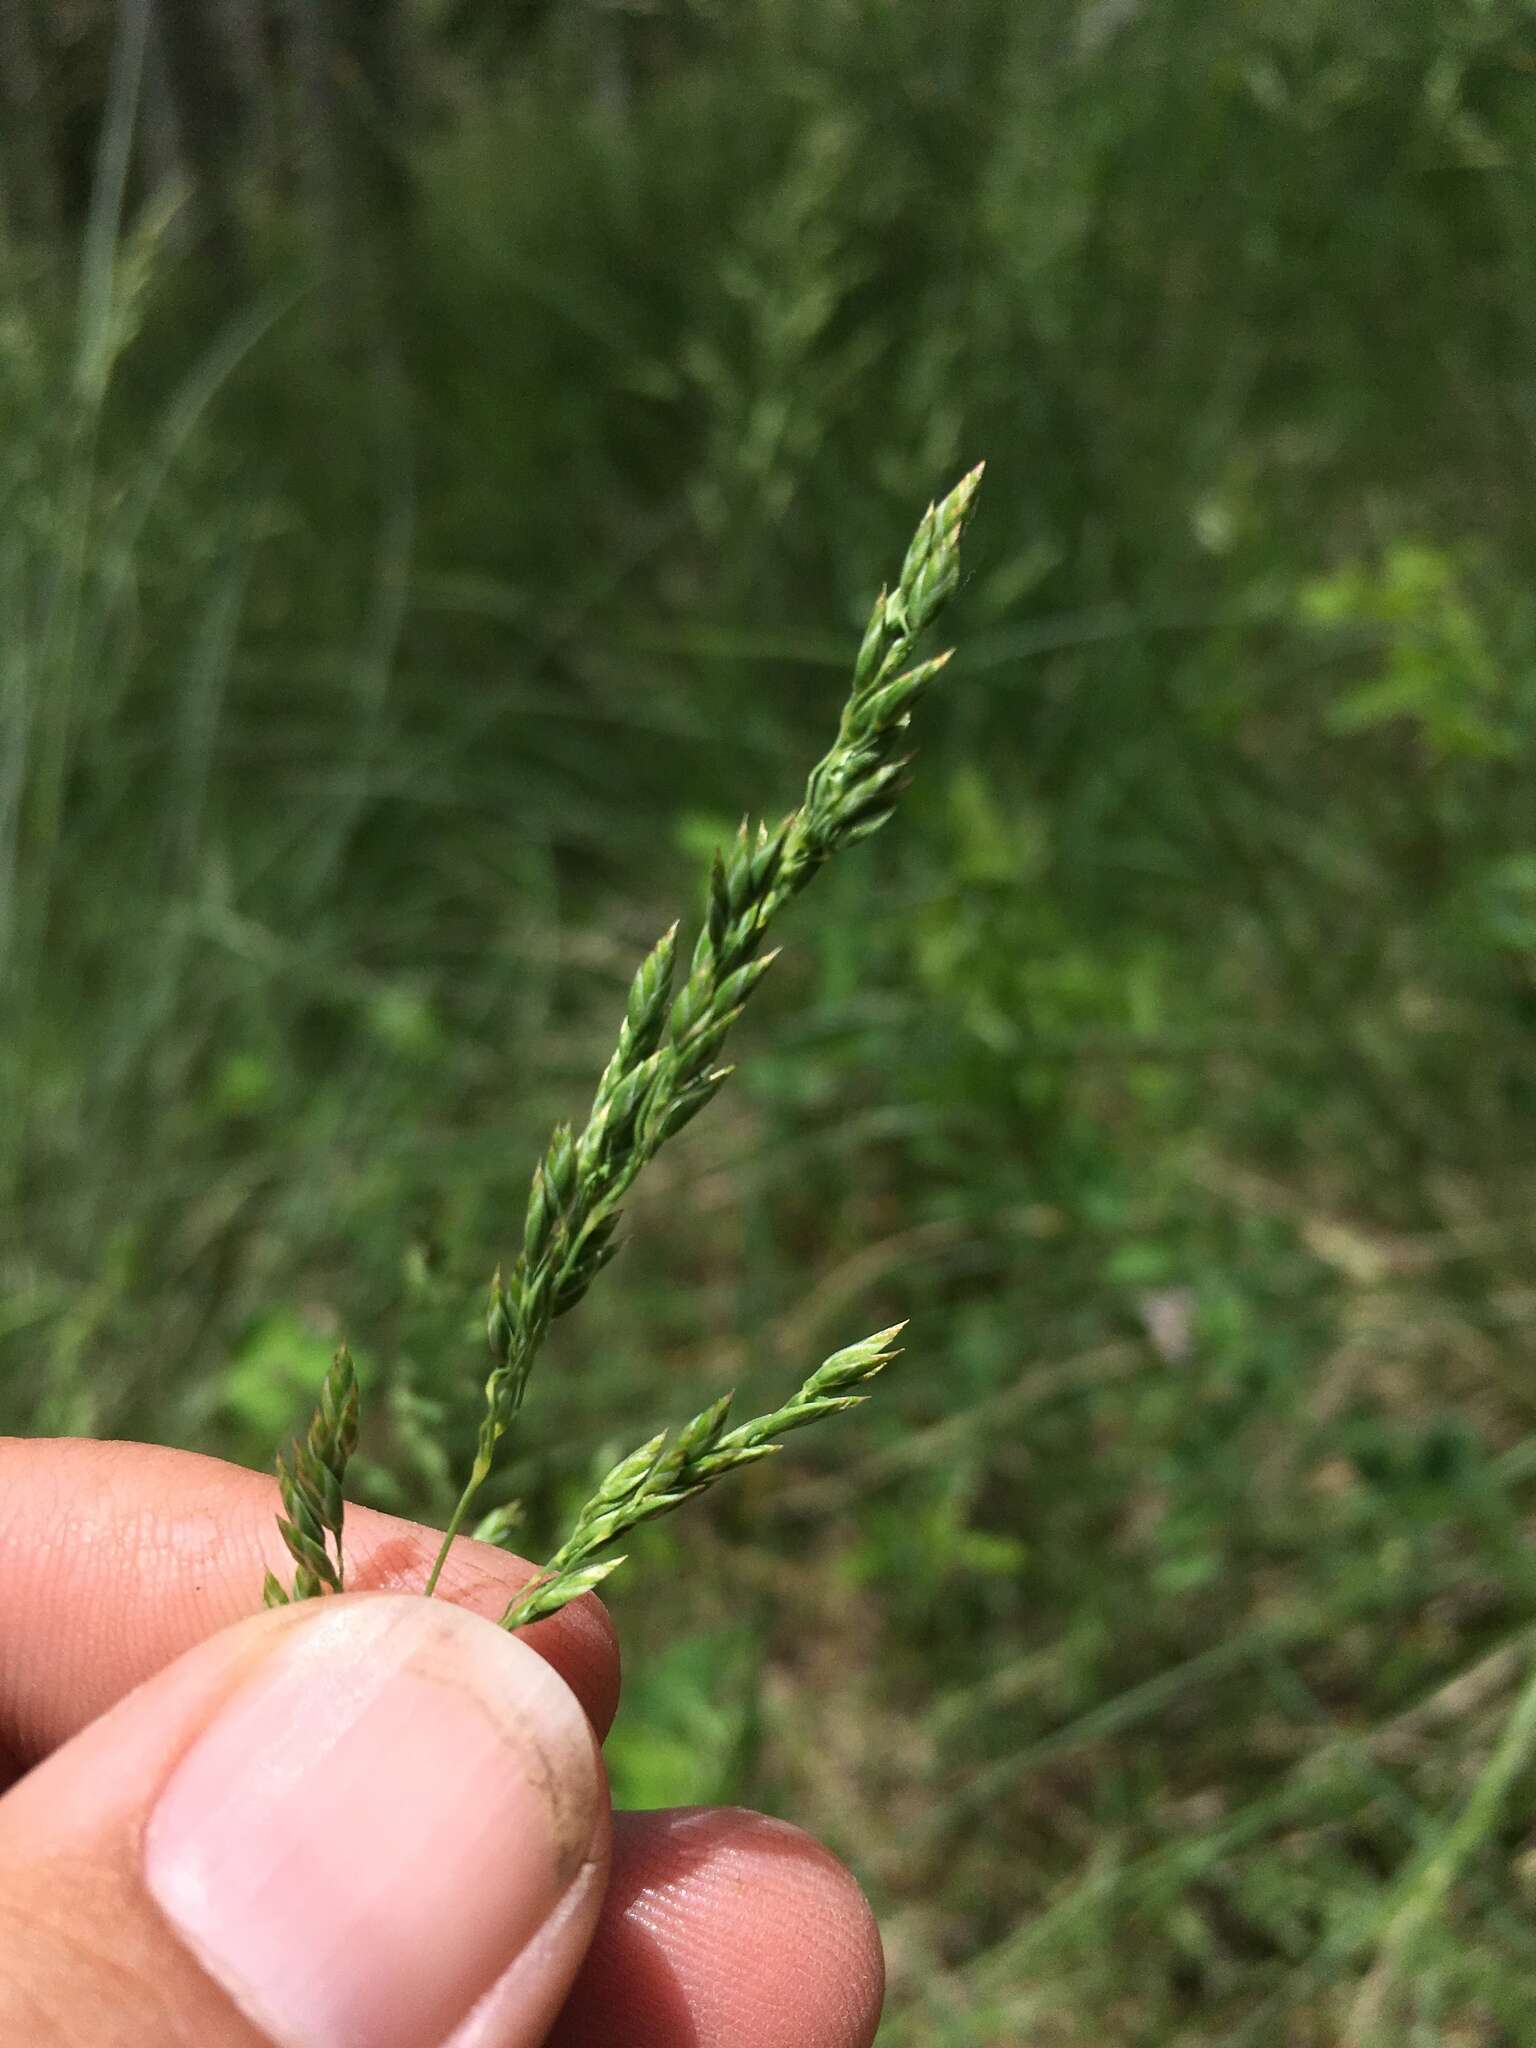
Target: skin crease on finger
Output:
{"points": [[726, 1929]]}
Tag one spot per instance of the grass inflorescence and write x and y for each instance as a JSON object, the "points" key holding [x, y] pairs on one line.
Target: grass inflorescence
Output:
{"points": [[664, 1069], [310, 1480], [668, 1470]]}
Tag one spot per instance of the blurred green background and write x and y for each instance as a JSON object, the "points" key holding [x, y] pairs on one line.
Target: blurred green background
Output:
{"points": [[446, 454]]}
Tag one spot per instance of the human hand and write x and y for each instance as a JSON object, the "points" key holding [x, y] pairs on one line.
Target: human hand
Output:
{"points": [[366, 1822]]}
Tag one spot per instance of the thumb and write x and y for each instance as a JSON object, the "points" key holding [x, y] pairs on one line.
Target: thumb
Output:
{"points": [[368, 1822]]}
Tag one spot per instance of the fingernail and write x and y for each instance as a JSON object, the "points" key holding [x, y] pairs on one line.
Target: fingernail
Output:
{"points": [[376, 1824]]}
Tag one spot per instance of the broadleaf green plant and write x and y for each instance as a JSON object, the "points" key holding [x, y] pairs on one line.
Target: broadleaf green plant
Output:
{"points": [[662, 1073]]}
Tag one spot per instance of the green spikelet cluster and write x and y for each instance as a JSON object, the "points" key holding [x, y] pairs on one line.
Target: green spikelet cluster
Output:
{"points": [[310, 1481], [664, 1067], [665, 1472]]}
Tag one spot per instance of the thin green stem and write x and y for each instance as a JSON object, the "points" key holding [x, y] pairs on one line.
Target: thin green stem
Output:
{"points": [[456, 1523], [1420, 1896]]}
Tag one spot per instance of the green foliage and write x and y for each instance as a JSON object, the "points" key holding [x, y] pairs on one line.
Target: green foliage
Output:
{"points": [[688, 1721], [367, 690], [277, 1364], [1438, 672]]}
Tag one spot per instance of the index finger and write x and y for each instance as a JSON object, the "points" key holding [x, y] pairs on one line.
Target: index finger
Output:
{"points": [[115, 1558]]}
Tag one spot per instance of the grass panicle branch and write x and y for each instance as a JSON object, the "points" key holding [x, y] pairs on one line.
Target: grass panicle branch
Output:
{"points": [[664, 1068], [668, 1470], [310, 1480]]}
